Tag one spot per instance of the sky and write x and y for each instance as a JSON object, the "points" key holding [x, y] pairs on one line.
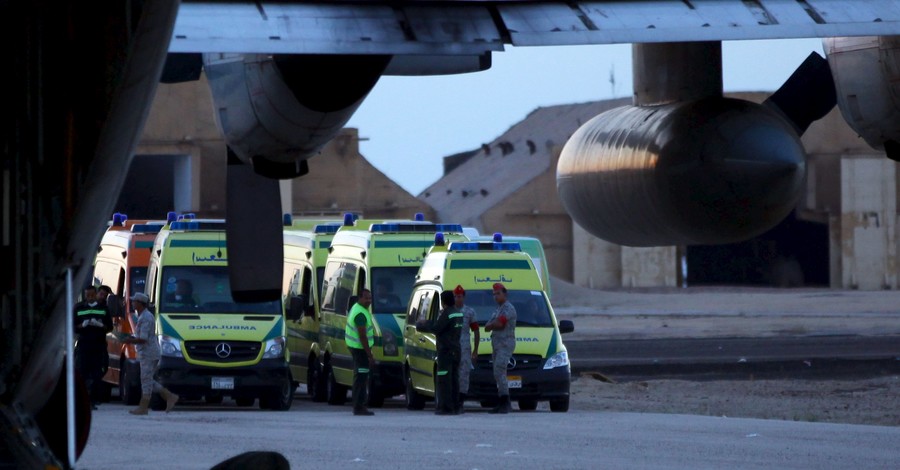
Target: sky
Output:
{"points": [[408, 124]]}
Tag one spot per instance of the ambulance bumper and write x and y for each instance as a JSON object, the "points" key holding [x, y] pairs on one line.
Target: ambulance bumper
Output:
{"points": [[536, 384], [179, 376]]}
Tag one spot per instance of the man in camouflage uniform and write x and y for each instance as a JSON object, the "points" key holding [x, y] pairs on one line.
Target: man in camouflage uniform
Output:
{"points": [[467, 354], [147, 347], [502, 326]]}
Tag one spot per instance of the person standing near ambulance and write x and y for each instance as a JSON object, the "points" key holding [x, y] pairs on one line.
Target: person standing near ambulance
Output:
{"points": [[502, 326], [446, 328], [468, 353], [92, 322], [147, 348], [360, 337]]}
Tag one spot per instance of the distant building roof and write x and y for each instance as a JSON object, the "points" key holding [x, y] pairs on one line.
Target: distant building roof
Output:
{"points": [[509, 162]]}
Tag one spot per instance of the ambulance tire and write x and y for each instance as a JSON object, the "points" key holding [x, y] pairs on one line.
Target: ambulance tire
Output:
{"points": [[560, 406], [157, 403], [528, 405], [335, 393], [414, 401], [129, 393], [280, 398], [374, 395], [315, 385]]}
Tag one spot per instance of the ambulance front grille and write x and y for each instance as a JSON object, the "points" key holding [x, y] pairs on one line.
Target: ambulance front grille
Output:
{"points": [[522, 362], [223, 351]]}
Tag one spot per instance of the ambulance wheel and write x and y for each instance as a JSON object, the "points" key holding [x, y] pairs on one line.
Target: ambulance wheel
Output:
{"points": [[335, 393], [528, 405], [414, 401], [244, 401], [157, 403], [280, 398], [128, 393], [560, 406], [315, 385], [374, 395]]}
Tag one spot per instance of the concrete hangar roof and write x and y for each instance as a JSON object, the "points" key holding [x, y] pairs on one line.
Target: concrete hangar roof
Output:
{"points": [[509, 162]]}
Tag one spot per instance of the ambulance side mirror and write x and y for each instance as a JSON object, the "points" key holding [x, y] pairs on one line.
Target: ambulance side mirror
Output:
{"points": [[566, 326]]}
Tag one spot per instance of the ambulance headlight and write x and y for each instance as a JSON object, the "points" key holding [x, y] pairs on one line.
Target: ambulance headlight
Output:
{"points": [[170, 347], [389, 343], [274, 348], [560, 359]]}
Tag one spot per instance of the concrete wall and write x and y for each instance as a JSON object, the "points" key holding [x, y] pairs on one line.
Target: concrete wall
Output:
{"points": [[868, 223]]}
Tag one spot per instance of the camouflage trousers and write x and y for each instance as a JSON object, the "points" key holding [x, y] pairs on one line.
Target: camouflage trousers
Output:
{"points": [[501, 361], [148, 371]]}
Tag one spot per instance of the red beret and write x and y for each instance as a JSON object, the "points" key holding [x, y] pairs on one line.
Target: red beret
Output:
{"points": [[498, 286], [459, 290]]}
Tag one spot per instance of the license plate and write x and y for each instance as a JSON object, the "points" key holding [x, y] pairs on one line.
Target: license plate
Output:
{"points": [[223, 383], [515, 381]]}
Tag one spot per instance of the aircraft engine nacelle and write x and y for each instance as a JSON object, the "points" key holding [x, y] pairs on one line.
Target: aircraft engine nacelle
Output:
{"points": [[866, 73], [715, 170], [277, 111]]}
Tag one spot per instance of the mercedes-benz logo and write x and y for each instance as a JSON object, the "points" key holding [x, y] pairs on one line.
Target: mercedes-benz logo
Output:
{"points": [[223, 350], [512, 363]]}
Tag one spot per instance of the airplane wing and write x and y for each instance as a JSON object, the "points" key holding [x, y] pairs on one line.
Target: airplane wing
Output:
{"points": [[475, 27]]}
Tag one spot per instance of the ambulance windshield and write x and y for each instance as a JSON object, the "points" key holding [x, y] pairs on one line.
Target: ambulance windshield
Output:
{"points": [[531, 306], [391, 288], [204, 289]]}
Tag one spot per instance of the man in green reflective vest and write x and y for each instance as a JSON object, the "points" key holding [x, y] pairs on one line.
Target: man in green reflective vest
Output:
{"points": [[360, 337]]}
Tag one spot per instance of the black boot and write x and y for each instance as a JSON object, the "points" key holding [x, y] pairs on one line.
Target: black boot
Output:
{"points": [[502, 407]]}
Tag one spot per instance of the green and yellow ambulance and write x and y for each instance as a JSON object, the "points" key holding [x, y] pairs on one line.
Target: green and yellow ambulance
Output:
{"points": [[539, 369], [383, 258], [211, 345], [305, 253]]}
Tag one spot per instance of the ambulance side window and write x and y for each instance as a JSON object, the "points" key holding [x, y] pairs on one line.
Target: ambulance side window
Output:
{"points": [[424, 305], [306, 286], [435, 307], [341, 280]]}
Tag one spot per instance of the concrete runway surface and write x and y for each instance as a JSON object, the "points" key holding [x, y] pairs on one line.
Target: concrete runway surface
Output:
{"points": [[312, 435]]}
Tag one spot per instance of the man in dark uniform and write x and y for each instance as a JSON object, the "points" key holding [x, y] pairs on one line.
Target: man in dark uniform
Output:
{"points": [[446, 329], [92, 322]]}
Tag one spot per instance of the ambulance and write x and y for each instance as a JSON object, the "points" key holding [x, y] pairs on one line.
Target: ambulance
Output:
{"points": [[211, 345], [121, 263], [539, 369], [534, 248], [384, 258], [306, 247]]}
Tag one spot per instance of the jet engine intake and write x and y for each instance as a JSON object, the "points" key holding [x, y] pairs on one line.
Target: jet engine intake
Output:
{"points": [[866, 74], [277, 111], [710, 171]]}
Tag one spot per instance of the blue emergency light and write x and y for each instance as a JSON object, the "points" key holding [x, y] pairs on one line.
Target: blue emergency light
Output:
{"points": [[485, 246], [118, 219], [171, 216], [326, 228], [498, 237], [439, 239], [287, 220], [349, 219], [419, 217]]}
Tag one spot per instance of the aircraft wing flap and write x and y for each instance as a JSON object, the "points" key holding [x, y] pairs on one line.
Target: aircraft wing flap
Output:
{"points": [[607, 22], [326, 28]]}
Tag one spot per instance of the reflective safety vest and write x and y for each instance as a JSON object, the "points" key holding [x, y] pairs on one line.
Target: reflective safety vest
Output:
{"points": [[351, 335]]}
